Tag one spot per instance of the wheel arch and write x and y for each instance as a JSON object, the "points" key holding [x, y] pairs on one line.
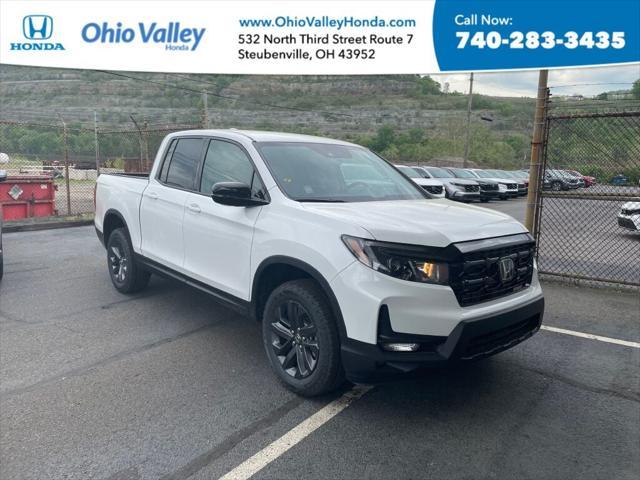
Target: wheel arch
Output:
{"points": [[276, 270], [112, 219]]}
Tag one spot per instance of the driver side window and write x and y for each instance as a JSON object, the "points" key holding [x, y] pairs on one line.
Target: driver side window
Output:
{"points": [[227, 162]]}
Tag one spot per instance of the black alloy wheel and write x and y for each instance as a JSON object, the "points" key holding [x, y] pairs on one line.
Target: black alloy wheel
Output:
{"points": [[301, 339], [293, 340], [126, 274], [118, 263]]}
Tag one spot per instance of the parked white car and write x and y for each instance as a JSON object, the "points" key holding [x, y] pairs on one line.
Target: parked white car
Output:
{"points": [[361, 277], [433, 187], [508, 186], [629, 216]]}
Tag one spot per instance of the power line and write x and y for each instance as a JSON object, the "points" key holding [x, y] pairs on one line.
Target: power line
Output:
{"points": [[591, 84]]}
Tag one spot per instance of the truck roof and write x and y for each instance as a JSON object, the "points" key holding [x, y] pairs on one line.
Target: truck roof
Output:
{"points": [[262, 136]]}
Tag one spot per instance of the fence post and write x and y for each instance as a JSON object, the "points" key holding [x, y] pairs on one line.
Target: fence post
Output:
{"points": [[65, 142], [535, 165], [140, 141], [205, 110], [95, 138], [145, 134]]}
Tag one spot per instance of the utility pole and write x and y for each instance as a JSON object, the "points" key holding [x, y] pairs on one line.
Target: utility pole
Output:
{"points": [[468, 138], [535, 165], [95, 139], [65, 143], [205, 110]]}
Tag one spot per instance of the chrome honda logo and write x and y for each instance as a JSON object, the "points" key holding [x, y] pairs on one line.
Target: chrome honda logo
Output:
{"points": [[507, 269], [37, 27]]}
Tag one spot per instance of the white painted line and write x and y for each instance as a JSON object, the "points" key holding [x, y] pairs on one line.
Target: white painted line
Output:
{"points": [[590, 336], [294, 436]]}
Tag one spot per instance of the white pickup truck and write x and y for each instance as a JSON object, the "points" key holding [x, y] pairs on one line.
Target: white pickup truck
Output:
{"points": [[349, 277]]}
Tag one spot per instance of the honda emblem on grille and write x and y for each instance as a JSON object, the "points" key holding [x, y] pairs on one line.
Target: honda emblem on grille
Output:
{"points": [[507, 269]]}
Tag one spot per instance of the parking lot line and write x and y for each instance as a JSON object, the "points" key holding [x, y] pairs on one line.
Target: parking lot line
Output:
{"points": [[294, 436], [590, 336]]}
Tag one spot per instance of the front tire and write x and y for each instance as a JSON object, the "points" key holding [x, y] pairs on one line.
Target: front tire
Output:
{"points": [[126, 274], [300, 337]]}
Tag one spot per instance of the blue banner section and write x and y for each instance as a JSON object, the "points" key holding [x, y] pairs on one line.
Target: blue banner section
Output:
{"points": [[498, 34]]}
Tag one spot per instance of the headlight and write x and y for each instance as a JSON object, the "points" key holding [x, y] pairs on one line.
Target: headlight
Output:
{"points": [[458, 186], [502, 187], [398, 261]]}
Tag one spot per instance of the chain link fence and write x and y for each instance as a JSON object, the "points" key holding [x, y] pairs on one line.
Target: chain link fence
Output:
{"points": [[591, 173], [74, 156]]}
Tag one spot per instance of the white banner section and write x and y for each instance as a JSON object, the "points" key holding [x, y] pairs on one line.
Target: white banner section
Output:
{"points": [[263, 37]]}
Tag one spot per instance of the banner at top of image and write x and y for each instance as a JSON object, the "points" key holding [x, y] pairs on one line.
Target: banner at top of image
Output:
{"points": [[313, 37]]}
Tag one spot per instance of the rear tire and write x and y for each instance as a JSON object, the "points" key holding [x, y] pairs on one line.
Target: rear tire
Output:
{"points": [[300, 337], [126, 274]]}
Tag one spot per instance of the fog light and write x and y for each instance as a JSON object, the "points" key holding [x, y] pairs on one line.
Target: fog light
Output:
{"points": [[401, 347]]}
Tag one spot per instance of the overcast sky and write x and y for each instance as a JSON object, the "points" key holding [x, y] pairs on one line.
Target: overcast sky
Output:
{"points": [[519, 84]]}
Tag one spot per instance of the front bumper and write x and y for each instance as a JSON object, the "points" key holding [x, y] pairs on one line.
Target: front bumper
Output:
{"points": [[464, 196], [490, 194], [471, 339]]}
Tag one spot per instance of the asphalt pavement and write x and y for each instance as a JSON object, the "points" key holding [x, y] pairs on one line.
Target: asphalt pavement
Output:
{"points": [[167, 384]]}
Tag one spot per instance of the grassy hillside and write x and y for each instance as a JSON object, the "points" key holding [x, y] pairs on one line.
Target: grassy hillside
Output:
{"points": [[406, 118]]}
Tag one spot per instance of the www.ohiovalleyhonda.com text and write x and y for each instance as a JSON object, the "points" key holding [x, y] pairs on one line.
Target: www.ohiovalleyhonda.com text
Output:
{"points": [[325, 21]]}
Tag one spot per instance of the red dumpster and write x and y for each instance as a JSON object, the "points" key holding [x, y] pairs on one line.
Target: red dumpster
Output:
{"points": [[24, 196]]}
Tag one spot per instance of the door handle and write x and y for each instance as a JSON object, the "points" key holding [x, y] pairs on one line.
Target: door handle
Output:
{"points": [[193, 207], [153, 195]]}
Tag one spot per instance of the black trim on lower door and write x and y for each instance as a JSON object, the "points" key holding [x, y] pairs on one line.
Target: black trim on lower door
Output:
{"points": [[226, 299]]}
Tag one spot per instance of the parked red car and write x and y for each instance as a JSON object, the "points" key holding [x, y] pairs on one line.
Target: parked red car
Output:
{"points": [[588, 181]]}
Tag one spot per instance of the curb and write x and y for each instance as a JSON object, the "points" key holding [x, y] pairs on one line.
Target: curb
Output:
{"points": [[32, 227]]}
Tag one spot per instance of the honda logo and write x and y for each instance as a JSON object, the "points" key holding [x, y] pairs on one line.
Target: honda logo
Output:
{"points": [[507, 269], [37, 27]]}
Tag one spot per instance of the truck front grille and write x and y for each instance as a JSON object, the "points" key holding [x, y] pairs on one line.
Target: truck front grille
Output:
{"points": [[480, 277], [434, 189], [472, 188], [489, 187]]}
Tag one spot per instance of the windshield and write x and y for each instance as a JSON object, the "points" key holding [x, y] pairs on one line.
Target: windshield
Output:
{"points": [[497, 173], [410, 172], [323, 172], [458, 172], [437, 172], [483, 174]]}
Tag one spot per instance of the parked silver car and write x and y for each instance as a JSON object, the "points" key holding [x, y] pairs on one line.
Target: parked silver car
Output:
{"points": [[460, 189]]}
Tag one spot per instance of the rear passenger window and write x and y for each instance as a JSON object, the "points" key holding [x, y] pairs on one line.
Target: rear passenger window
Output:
{"points": [[184, 163], [167, 160]]}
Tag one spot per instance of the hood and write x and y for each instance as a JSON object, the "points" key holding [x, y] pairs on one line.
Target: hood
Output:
{"points": [[486, 181], [506, 180], [631, 206], [459, 181], [428, 182], [436, 223]]}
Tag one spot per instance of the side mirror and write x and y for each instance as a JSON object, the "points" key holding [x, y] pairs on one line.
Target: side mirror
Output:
{"points": [[235, 194]]}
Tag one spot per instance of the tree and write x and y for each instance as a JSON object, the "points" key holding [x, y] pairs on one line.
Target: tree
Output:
{"points": [[635, 90], [383, 139], [428, 86]]}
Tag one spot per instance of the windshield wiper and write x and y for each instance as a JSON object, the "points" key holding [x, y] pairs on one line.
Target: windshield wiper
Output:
{"points": [[320, 200]]}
